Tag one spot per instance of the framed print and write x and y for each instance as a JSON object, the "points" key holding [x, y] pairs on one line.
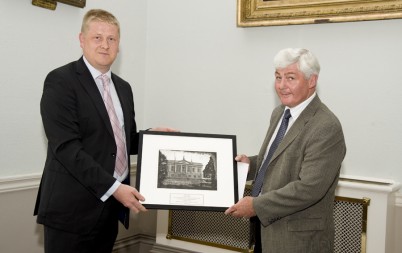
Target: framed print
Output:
{"points": [[190, 171], [293, 12]]}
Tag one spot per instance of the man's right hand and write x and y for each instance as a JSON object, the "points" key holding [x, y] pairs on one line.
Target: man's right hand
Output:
{"points": [[130, 198]]}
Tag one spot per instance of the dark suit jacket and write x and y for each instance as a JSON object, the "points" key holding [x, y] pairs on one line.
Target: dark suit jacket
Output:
{"points": [[296, 203], [81, 148]]}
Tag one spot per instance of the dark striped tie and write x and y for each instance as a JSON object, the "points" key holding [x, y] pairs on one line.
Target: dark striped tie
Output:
{"points": [[279, 136]]}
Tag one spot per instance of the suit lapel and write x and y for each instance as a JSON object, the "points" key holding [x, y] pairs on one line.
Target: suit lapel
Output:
{"points": [[272, 126], [89, 85]]}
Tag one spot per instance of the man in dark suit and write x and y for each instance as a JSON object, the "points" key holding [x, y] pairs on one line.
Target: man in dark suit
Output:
{"points": [[293, 209], [88, 117]]}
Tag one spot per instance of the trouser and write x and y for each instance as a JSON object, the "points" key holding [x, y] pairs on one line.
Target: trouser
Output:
{"points": [[100, 240], [255, 234]]}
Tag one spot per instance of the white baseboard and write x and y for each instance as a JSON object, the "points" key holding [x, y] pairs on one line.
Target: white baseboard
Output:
{"points": [[134, 243], [159, 248]]}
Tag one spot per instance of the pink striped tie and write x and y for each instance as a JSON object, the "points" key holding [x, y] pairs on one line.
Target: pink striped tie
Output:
{"points": [[121, 159]]}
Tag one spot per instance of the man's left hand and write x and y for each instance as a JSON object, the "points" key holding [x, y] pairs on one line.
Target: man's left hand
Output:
{"points": [[243, 208]]}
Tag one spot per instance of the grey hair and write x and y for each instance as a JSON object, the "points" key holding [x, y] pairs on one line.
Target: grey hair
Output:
{"points": [[306, 61]]}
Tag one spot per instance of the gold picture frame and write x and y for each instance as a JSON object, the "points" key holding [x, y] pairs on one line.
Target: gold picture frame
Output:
{"points": [[294, 12], [52, 4], [47, 4], [76, 3]]}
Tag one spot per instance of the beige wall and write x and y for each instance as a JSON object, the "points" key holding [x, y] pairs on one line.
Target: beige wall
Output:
{"points": [[398, 227], [20, 233], [191, 68], [35, 41]]}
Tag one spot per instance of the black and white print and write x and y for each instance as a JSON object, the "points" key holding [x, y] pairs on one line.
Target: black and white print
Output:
{"points": [[192, 170]]}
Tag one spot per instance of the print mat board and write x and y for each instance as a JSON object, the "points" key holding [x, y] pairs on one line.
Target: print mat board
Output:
{"points": [[190, 171]]}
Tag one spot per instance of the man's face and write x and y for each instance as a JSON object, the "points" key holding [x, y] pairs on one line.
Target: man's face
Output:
{"points": [[100, 44], [292, 87]]}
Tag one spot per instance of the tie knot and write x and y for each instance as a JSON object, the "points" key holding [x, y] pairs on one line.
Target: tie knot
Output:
{"points": [[105, 79], [287, 114]]}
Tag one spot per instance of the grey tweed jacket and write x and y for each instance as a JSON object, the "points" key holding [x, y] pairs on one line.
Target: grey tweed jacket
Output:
{"points": [[296, 202]]}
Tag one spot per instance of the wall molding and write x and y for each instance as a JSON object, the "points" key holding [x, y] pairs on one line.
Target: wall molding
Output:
{"points": [[20, 183], [32, 181]]}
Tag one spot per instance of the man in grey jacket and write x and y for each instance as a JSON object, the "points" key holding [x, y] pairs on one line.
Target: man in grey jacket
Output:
{"points": [[293, 209]]}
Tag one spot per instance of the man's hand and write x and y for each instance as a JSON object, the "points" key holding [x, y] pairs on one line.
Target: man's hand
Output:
{"points": [[242, 158], [130, 198], [164, 129], [243, 208]]}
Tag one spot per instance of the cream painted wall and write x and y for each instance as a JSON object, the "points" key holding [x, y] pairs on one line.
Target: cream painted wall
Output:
{"points": [[34, 41], [19, 232], [193, 69], [204, 74]]}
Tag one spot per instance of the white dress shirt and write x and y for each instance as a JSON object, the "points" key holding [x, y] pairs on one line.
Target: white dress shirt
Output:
{"points": [[119, 112]]}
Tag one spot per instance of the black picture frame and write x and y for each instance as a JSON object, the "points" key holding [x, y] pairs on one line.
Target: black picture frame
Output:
{"points": [[187, 171]]}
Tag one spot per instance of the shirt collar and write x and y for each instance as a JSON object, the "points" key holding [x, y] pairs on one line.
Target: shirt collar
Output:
{"points": [[297, 110], [94, 72]]}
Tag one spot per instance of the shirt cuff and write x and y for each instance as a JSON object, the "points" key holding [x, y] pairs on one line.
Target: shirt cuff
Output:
{"points": [[111, 191]]}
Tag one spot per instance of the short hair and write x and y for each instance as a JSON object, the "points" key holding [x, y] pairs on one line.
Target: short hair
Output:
{"points": [[101, 16], [306, 61]]}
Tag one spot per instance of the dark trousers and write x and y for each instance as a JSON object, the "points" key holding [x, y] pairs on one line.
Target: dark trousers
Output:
{"points": [[100, 240], [255, 234]]}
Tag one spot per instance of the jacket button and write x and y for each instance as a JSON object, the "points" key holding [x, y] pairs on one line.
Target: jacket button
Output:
{"points": [[113, 155]]}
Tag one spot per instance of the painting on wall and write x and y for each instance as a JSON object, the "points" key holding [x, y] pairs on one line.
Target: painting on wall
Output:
{"points": [[52, 4], [293, 12], [76, 3]]}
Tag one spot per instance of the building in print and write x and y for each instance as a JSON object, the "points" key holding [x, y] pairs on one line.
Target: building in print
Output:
{"points": [[184, 169]]}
